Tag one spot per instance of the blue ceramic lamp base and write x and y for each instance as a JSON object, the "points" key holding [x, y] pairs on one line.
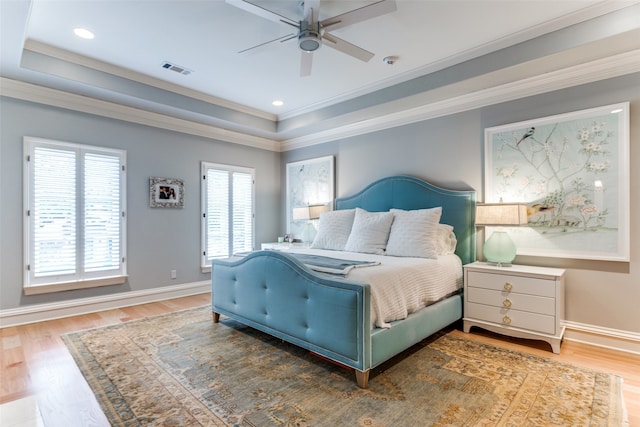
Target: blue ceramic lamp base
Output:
{"points": [[499, 249]]}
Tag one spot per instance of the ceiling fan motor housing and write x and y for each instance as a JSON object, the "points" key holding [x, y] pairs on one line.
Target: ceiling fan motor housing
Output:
{"points": [[309, 37]]}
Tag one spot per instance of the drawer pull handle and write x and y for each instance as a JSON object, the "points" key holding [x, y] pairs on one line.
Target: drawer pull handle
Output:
{"points": [[508, 286], [507, 303], [506, 320]]}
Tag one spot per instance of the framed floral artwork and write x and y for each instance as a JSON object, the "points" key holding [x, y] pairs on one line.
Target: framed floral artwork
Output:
{"points": [[166, 193], [309, 183], [572, 171]]}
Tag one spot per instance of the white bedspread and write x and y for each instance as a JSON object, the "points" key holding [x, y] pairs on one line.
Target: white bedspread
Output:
{"points": [[400, 285]]}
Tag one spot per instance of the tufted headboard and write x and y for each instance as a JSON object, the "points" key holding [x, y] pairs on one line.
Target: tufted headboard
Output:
{"points": [[408, 193]]}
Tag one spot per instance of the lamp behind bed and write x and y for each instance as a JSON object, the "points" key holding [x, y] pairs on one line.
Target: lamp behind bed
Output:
{"points": [[309, 213]]}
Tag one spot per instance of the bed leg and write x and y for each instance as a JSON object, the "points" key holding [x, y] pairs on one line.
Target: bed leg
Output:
{"points": [[362, 378], [216, 317]]}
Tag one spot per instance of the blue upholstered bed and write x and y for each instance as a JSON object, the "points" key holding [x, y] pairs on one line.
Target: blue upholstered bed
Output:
{"points": [[273, 292]]}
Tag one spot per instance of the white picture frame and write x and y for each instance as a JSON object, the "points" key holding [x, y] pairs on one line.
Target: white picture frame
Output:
{"points": [[572, 171], [309, 182]]}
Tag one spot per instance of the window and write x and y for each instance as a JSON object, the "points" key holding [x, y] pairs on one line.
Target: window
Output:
{"points": [[227, 211], [75, 216]]}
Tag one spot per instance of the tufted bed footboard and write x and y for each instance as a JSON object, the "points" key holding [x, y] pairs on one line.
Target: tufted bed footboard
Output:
{"points": [[272, 292]]}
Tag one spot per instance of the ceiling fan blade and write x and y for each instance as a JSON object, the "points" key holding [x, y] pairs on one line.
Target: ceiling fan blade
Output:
{"points": [[261, 11], [306, 60], [280, 39], [373, 10], [346, 47]]}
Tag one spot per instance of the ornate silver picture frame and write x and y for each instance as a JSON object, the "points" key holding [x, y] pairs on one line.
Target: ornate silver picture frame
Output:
{"points": [[166, 193]]}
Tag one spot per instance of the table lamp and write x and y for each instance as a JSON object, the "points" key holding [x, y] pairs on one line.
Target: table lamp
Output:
{"points": [[499, 249], [309, 213]]}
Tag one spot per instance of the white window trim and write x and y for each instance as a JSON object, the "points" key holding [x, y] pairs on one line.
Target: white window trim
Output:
{"points": [[90, 280], [205, 266]]}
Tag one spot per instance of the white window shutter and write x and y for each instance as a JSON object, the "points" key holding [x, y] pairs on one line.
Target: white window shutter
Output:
{"points": [[218, 214], [242, 212], [228, 211], [53, 213], [75, 204], [102, 212]]}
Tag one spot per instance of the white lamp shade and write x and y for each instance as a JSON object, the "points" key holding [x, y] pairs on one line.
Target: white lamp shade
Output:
{"points": [[316, 210], [300, 213], [505, 214], [309, 212]]}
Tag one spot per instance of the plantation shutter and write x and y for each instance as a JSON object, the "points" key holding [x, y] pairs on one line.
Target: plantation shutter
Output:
{"points": [[228, 217], [74, 199], [218, 214], [101, 212], [54, 212]]}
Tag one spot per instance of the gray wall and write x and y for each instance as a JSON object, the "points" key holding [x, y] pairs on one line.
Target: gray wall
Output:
{"points": [[159, 240], [448, 151]]}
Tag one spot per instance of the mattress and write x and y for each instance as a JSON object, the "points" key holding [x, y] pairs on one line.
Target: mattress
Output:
{"points": [[399, 285]]}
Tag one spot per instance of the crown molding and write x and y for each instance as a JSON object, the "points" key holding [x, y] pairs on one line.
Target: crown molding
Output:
{"points": [[424, 106], [57, 98], [94, 64], [591, 12], [588, 72]]}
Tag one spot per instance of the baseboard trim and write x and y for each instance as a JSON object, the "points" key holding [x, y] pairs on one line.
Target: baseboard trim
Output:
{"points": [[43, 312], [614, 339]]}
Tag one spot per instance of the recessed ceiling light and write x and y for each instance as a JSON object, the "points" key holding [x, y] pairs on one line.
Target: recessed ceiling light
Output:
{"points": [[83, 32], [277, 103]]}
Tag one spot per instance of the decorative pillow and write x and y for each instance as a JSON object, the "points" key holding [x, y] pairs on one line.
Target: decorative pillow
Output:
{"points": [[414, 233], [446, 241], [333, 229], [370, 232]]}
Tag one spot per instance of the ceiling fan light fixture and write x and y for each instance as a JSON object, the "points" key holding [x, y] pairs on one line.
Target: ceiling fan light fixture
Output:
{"points": [[309, 43], [309, 38]]}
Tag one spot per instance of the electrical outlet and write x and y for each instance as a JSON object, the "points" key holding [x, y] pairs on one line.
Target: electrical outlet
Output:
{"points": [[174, 274]]}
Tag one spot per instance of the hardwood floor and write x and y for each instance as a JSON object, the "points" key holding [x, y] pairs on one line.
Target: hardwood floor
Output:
{"points": [[36, 363]]}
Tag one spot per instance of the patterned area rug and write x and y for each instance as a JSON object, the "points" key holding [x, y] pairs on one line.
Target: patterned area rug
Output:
{"points": [[182, 369]]}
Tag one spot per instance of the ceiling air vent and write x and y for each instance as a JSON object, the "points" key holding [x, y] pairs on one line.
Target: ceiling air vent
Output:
{"points": [[178, 69]]}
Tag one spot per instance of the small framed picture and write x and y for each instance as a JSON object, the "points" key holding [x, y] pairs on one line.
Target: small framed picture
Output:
{"points": [[166, 193]]}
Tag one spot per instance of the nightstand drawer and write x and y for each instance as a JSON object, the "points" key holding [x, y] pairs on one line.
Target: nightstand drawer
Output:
{"points": [[512, 318], [514, 301], [515, 284]]}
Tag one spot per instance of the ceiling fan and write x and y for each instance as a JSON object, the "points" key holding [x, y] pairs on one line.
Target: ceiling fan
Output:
{"points": [[312, 33]]}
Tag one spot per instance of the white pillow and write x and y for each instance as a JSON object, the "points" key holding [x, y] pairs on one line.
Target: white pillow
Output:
{"points": [[333, 229], [414, 233], [370, 232], [446, 241]]}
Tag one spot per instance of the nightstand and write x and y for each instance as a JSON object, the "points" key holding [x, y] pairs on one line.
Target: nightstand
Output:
{"points": [[519, 301]]}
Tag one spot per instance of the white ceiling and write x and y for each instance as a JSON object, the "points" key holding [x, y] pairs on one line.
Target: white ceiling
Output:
{"points": [[133, 38]]}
